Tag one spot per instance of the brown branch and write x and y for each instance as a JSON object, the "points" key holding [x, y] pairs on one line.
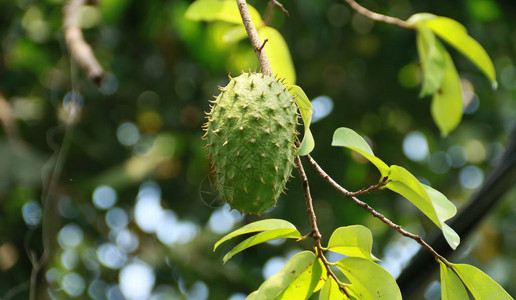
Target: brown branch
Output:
{"points": [[373, 212], [280, 6], [376, 16], [254, 37], [314, 233], [79, 49]]}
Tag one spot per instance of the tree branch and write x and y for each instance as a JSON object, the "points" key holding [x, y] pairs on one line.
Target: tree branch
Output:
{"points": [[373, 212], [376, 16], [314, 233], [79, 49], [254, 37]]}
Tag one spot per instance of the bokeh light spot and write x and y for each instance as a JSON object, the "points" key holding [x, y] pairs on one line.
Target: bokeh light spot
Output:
{"points": [[73, 284], [415, 146], [471, 177], [273, 266], [70, 236], [323, 106], [136, 280], [110, 256], [116, 218], [104, 197], [31, 212], [128, 134]]}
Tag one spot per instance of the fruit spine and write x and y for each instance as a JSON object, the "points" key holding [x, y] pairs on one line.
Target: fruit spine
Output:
{"points": [[250, 137]]}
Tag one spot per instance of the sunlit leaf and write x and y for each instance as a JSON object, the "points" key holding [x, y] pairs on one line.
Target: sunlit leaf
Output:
{"points": [[368, 279], [428, 200], [345, 137], [324, 276], [297, 280], [278, 54], [433, 62], [220, 10], [481, 286], [445, 210], [331, 291], [456, 35], [262, 225], [263, 237], [451, 286], [446, 105], [305, 108], [354, 241]]}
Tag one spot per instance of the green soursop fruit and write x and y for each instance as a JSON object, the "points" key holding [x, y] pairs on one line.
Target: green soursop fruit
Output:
{"points": [[250, 137]]}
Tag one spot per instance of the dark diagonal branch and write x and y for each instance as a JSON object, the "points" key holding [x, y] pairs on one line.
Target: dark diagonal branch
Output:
{"points": [[373, 212], [254, 37], [376, 16], [79, 49]]}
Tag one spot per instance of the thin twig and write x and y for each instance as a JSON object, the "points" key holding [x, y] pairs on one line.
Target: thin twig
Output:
{"points": [[276, 3], [376, 16], [314, 233], [79, 49], [367, 190], [373, 212], [254, 37]]}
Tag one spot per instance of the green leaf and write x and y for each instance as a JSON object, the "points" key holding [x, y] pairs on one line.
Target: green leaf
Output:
{"points": [[445, 210], [331, 291], [446, 105], [428, 200], [433, 62], [456, 35], [345, 137], [263, 237], [451, 286], [262, 225], [481, 286], [305, 108], [323, 278], [354, 241], [220, 10], [368, 279], [297, 280], [278, 54]]}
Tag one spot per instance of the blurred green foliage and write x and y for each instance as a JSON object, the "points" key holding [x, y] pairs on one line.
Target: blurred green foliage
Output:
{"points": [[64, 140]]}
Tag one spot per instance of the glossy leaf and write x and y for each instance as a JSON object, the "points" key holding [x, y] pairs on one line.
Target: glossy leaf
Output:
{"points": [[428, 200], [217, 10], [261, 238], [262, 225], [481, 286], [368, 279], [305, 108], [278, 54], [433, 62], [323, 278], [353, 241], [445, 210], [331, 291], [456, 35], [297, 280], [446, 105], [345, 137], [451, 286]]}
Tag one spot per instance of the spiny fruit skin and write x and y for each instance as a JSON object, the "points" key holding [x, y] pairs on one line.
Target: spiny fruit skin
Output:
{"points": [[250, 137]]}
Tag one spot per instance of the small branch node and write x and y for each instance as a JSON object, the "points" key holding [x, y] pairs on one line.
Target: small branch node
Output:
{"points": [[263, 45]]}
